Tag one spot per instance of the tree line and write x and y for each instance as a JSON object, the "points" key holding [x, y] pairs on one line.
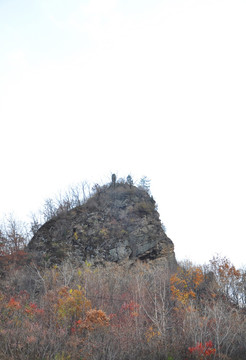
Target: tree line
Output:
{"points": [[118, 312]]}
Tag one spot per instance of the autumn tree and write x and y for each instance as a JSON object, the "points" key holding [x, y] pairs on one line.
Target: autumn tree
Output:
{"points": [[185, 283], [13, 239], [227, 277]]}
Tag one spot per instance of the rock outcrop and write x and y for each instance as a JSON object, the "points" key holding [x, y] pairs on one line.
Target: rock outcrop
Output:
{"points": [[116, 224]]}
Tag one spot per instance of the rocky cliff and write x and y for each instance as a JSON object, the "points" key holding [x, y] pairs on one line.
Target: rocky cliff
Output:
{"points": [[119, 222]]}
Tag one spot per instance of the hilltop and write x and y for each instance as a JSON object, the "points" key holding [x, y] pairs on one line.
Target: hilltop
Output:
{"points": [[118, 223]]}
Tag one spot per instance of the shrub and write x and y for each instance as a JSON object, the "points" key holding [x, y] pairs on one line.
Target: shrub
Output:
{"points": [[143, 208]]}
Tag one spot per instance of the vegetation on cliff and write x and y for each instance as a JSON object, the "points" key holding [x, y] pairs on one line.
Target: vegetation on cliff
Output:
{"points": [[118, 222]]}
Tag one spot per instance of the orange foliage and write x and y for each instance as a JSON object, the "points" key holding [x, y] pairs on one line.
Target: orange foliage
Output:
{"points": [[66, 313], [151, 334], [228, 278], [71, 304], [184, 283], [224, 269], [94, 319], [13, 304]]}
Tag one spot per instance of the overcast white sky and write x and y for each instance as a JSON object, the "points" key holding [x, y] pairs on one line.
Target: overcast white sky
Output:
{"points": [[146, 87]]}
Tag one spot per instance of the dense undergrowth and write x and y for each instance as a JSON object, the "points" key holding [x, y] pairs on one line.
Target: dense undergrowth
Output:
{"points": [[122, 312]]}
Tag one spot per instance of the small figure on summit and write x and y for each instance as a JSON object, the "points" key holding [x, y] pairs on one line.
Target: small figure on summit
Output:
{"points": [[113, 180]]}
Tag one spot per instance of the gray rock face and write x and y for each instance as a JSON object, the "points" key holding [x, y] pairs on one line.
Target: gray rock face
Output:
{"points": [[116, 224]]}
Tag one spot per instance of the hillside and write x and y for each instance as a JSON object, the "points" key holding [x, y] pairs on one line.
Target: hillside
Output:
{"points": [[138, 305]]}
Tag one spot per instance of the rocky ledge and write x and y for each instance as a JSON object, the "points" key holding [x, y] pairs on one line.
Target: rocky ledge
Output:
{"points": [[117, 224]]}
